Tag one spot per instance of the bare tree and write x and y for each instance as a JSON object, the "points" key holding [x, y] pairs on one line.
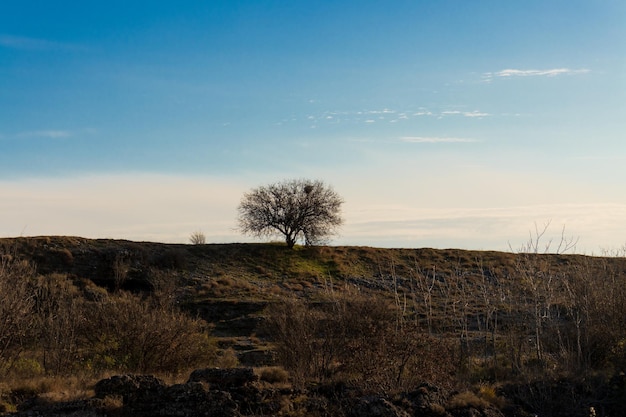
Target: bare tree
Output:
{"points": [[295, 209], [197, 238]]}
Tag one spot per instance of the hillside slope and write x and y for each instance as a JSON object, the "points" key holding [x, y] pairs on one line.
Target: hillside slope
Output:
{"points": [[536, 326], [262, 273], [229, 285]]}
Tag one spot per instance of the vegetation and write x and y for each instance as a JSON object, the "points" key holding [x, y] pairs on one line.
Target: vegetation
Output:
{"points": [[531, 331], [197, 238], [55, 325], [359, 340], [293, 209]]}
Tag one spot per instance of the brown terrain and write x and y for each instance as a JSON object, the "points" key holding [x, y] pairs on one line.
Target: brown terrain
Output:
{"points": [[111, 327]]}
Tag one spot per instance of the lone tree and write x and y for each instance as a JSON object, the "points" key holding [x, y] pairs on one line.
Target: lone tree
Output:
{"points": [[295, 209]]}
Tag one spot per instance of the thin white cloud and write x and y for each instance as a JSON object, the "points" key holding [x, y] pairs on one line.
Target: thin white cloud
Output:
{"points": [[475, 114], [33, 44], [553, 72], [383, 111], [423, 139], [388, 115], [56, 133], [51, 134]]}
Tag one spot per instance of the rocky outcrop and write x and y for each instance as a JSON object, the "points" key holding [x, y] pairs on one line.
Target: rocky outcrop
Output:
{"points": [[427, 400], [374, 406], [224, 378], [238, 393], [82, 408], [132, 389], [149, 396]]}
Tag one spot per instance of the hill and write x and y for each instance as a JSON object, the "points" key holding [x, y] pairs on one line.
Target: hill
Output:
{"points": [[523, 323]]}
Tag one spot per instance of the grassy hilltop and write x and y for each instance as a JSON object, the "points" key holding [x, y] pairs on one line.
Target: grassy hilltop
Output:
{"points": [[535, 331]]}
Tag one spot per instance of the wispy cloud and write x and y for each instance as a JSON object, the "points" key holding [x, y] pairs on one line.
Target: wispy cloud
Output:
{"points": [[474, 113], [35, 44], [50, 134], [431, 139], [54, 133], [553, 72], [384, 116]]}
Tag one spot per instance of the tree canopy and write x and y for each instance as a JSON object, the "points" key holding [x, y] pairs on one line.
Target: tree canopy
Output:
{"points": [[296, 209]]}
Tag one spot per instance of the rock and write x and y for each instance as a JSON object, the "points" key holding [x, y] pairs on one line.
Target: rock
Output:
{"points": [[189, 392], [473, 412], [376, 407], [145, 395], [131, 388], [193, 399], [427, 400], [80, 408], [237, 393], [257, 357], [218, 378]]}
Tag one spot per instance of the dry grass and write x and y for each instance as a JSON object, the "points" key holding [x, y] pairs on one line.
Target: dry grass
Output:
{"points": [[489, 394], [14, 391], [467, 399], [273, 374], [227, 358], [112, 404], [226, 286]]}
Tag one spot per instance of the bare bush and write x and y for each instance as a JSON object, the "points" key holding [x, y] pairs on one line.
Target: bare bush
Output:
{"points": [[121, 268], [197, 238], [58, 318], [16, 307], [130, 334], [165, 286], [295, 327], [570, 316], [358, 340]]}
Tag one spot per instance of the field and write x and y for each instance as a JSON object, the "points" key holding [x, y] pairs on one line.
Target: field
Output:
{"points": [[510, 333]]}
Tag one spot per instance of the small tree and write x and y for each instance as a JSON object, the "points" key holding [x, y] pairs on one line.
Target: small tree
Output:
{"points": [[197, 238], [295, 209]]}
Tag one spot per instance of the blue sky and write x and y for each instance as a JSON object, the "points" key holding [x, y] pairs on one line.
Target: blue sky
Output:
{"points": [[441, 123]]}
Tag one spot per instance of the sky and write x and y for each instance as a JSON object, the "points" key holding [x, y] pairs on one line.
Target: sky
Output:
{"points": [[445, 124]]}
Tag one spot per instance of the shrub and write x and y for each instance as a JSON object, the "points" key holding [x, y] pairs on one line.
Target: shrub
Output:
{"points": [[58, 315], [132, 335], [273, 374], [489, 394], [197, 238], [64, 256], [360, 340], [27, 368], [16, 308]]}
